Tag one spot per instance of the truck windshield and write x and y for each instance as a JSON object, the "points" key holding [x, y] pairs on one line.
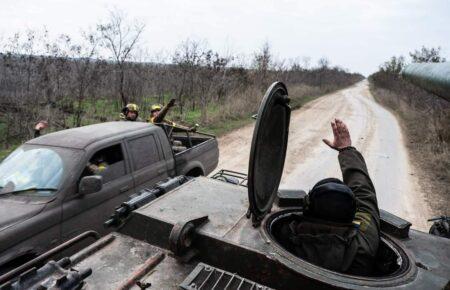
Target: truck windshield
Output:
{"points": [[37, 168]]}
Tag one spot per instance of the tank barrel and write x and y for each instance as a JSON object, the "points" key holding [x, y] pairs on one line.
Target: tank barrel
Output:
{"points": [[433, 77]]}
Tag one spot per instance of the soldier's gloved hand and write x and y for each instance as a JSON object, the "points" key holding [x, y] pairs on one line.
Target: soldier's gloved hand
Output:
{"points": [[41, 125], [171, 103], [341, 136]]}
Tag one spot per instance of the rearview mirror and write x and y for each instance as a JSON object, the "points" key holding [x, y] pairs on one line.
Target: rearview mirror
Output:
{"points": [[90, 184]]}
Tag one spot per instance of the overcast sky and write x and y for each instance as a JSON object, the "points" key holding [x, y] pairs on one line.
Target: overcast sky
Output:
{"points": [[355, 34]]}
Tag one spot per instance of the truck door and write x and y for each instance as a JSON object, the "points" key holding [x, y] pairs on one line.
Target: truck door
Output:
{"points": [[88, 212], [166, 149], [148, 163]]}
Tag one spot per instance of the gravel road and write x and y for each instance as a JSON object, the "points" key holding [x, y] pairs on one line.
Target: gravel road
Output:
{"points": [[374, 131]]}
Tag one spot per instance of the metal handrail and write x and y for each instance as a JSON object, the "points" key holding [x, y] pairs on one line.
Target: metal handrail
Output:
{"points": [[30, 264]]}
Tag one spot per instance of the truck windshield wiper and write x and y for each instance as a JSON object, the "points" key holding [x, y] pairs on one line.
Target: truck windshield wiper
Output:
{"points": [[30, 189]]}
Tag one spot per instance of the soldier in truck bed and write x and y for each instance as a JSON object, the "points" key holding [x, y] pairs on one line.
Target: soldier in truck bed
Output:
{"points": [[340, 228], [158, 114], [130, 113]]}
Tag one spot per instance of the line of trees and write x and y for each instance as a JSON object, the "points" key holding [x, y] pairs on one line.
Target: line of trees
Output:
{"points": [[62, 80]]}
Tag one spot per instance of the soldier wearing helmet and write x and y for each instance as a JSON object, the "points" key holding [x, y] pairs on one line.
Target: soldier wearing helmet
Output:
{"points": [[130, 113], [158, 113]]}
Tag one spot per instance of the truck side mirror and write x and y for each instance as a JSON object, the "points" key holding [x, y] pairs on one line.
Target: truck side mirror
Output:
{"points": [[90, 184]]}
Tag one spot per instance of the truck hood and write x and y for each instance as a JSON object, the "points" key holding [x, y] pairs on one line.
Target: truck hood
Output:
{"points": [[13, 212]]}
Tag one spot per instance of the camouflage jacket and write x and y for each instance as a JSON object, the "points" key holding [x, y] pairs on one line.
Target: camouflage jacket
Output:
{"points": [[349, 248], [356, 176]]}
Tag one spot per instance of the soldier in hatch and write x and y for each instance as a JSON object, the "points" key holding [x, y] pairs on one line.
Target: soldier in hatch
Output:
{"points": [[340, 229]]}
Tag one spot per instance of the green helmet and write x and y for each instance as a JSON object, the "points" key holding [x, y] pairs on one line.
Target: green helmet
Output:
{"points": [[155, 107], [131, 107]]}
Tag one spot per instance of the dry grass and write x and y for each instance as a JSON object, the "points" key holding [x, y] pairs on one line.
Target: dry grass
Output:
{"points": [[243, 104], [426, 120]]}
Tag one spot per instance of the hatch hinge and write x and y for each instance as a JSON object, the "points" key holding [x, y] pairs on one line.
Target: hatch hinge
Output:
{"points": [[182, 237], [256, 220]]}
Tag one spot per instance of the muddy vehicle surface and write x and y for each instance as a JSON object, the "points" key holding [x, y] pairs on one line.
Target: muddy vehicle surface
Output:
{"points": [[204, 233], [50, 193]]}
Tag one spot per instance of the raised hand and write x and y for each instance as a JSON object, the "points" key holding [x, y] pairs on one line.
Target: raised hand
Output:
{"points": [[41, 125], [171, 103], [341, 136]]}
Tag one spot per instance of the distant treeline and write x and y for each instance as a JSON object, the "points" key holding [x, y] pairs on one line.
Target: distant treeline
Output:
{"points": [[71, 84]]}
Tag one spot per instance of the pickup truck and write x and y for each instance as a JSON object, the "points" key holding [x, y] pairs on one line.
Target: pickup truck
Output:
{"points": [[48, 195]]}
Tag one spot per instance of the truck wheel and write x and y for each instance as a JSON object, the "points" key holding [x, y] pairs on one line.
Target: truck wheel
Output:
{"points": [[195, 172]]}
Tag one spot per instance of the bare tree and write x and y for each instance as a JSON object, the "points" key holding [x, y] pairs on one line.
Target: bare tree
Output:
{"points": [[323, 63], [85, 68], [120, 38], [261, 63], [21, 52], [160, 76], [211, 74], [394, 65], [427, 55], [187, 58]]}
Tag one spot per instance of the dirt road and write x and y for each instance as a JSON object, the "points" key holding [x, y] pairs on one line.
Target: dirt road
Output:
{"points": [[375, 132]]}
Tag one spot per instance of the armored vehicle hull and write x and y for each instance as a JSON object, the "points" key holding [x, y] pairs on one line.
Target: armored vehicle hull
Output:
{"points": [[144, 249]]}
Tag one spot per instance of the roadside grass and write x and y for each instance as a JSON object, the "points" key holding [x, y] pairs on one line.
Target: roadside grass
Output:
{"points": [[222, 128], [427, 128]]}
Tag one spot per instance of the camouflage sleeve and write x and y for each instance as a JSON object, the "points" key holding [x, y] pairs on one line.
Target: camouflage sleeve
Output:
{"points": [[356, 176], [37, 133]]}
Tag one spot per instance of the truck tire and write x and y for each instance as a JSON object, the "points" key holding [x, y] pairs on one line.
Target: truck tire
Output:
{"points": [[195, 172]]}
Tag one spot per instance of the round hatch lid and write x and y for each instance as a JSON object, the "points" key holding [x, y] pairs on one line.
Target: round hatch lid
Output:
{"points": [[268, 151]]}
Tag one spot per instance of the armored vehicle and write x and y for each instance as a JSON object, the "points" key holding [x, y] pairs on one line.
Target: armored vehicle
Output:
{"points": [[203, 233], [59, 185]]}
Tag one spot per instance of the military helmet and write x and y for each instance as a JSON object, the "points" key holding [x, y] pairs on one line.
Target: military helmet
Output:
{"points": [[331, 200], [130, 107], [155, 107]]}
